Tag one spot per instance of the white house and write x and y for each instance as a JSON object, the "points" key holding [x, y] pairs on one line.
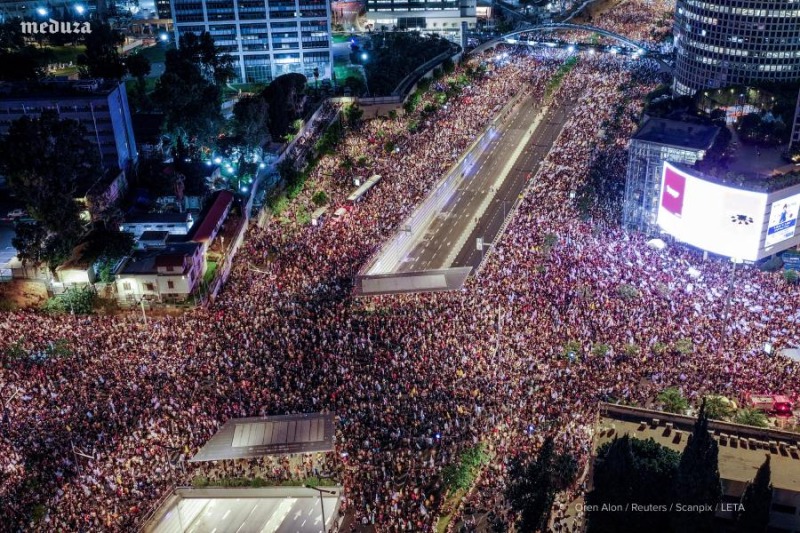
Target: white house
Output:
{"points": [[164, 274]]}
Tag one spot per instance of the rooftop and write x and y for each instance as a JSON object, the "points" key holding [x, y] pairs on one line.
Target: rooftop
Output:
{"points": [[294, 509], [215, 213], [677, 133], [163, 218], [56, 88], [741, 451], [148, 261], [242, 438]]}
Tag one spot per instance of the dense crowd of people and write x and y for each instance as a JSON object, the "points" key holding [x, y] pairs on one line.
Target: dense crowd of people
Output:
{"points": [[413, 380]]}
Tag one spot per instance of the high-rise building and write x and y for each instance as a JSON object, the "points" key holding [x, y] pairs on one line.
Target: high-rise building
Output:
{"points": [[724, 42], [267, 38], [101, 106], [448, 18], [163, 9], [659, 140]]}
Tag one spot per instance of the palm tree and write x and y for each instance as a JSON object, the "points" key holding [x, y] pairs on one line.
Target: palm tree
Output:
{"points": [[673, 401], [751, 417]]}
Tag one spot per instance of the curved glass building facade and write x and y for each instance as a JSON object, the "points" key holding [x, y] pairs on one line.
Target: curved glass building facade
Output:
{"points": [[727, 42]]}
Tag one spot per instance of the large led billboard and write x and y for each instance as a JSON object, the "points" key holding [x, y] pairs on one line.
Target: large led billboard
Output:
{"points": [[782, 223], [713, 217]]}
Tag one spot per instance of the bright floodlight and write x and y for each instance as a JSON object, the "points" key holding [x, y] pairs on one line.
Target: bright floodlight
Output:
{"points": [[591, 51], [243, 189], [570, 48], [80, 9], [262, 165], [364, 57], [42, 11], [164, 36], [218, 160]]}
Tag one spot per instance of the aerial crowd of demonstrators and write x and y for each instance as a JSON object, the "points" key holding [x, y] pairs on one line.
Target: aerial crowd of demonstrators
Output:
{"points": [[413, 380]]}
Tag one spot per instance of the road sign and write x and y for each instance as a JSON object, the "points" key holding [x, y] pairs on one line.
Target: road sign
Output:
{"points": [[791, 261]]}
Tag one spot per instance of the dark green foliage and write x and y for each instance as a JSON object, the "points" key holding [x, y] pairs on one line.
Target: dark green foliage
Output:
{"points": [[20, 61], [353, 115], [102, 59], [285, 96], [412, 102], [48, 164], [461, 475], [534, 484], [697, 480], [77, 301], [448, 66], [251, 121], [319, 198], [189, 90], [756, 501], [404, 52], [632, 470]]}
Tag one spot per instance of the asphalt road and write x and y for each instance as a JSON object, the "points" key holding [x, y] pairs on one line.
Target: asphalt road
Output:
{"points": [[437, 249]]}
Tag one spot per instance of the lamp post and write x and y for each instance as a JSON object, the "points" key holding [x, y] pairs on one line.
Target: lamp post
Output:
{"points": [[321, 503], [725, 317]]}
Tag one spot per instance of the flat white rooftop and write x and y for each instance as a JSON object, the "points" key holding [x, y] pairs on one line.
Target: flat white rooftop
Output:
{"points": [[243, 510]]}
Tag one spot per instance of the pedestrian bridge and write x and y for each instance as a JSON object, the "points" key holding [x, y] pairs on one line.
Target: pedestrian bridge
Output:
{"points": [[564, 26], [641, 49]]}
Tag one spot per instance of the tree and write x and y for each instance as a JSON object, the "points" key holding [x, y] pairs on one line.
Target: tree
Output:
{"points": [[251, 121], [533, 487], [200, 50], [285, 99], [631, 470], [673, 401], [353, 115], [48, 163], [139, 67], [102, 59], [751, 417], [188, 94], [756, 502], [30, 241], [697, 480], [718, 407]]}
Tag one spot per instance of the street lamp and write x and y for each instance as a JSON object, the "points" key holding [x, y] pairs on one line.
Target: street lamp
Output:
{"points": [[321, 503], [164, 37]]}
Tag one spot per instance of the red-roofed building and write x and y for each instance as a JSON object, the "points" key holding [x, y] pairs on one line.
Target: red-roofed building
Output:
{"points": [[210, 225]]}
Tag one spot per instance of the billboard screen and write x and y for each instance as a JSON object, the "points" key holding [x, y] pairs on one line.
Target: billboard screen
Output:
{"points": [[713, 217], [782, 220]]}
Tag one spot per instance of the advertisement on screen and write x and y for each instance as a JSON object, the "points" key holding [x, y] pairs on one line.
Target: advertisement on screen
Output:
{"points": [[782, 220], [713, 217]]}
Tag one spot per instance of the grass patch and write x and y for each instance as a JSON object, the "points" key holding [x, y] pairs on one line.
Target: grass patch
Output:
{"points": [[69, 71], [347, 71], [65, 54], [249, 87], [211, 271], [340, 37], [149, 85], [154, 54]]}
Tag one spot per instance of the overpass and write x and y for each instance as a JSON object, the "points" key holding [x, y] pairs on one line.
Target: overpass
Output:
{"points": [[640, 49]]}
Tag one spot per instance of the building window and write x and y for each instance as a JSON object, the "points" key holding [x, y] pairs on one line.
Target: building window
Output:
{"points": [[149, 287], [171, 284], [126, 286]]}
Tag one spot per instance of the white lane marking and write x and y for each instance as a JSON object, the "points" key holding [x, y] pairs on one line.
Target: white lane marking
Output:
{"points": [[226, 514]]}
